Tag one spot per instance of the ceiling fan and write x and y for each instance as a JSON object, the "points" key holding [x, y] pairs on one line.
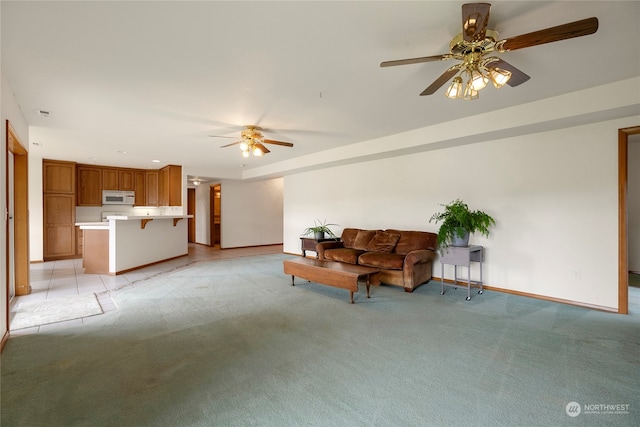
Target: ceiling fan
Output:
{"points": [[477, 41], [252, 142]]}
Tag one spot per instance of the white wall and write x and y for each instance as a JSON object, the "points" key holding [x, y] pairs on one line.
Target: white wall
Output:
{"points": [[552, 194], [36, 209], [251, 213], [633, 203], [9, 110]]}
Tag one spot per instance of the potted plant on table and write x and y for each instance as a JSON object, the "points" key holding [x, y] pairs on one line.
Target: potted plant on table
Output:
{"points": [[458, 222], [319, 230]]}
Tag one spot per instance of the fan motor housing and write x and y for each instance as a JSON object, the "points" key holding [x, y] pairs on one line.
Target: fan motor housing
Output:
{"points": [[459, 47]]}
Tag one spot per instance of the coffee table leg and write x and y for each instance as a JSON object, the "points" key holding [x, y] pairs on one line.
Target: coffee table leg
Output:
{"points": [[292, 277], [351, 295], [368, 286]]}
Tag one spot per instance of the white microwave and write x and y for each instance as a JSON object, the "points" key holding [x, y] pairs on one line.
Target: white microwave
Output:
{"points": [[113, 197]]}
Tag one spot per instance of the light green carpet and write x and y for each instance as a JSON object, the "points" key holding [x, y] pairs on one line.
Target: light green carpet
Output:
{"points": [[36, 313], [232, 343]]}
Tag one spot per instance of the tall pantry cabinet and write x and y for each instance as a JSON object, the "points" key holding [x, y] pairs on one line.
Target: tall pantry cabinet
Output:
{"points": [[59, 209]]}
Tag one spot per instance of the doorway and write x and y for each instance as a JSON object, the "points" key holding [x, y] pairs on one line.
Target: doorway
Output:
{"points": [[215, 197], [623, 237], [191, 210]]}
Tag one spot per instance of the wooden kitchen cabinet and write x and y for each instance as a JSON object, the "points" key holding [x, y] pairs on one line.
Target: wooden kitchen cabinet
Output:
{"points": [[170, 186], [151, 187], [89, 191], [58, 176], [126, 180], [59, 211], [110, 179], [140, 187]]}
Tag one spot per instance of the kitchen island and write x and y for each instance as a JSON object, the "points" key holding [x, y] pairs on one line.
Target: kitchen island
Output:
{"points": [[126, 242]]}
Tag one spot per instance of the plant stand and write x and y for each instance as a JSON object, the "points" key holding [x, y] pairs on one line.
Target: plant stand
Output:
{"points": [[309, 244], [461, 257]]}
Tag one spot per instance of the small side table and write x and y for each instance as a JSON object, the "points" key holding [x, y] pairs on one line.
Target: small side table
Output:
{"points": [[461, 257], [309, 244]]}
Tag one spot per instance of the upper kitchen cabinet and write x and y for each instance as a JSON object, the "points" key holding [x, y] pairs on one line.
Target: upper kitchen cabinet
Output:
{"points": [[140, 187], [59, 177], [126, 180], [110, 179], [118, 179], [89, 185], [170, 186], [151, 188]]}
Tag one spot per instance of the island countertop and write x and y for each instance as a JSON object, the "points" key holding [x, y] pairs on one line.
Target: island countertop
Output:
{"points": [[138, 217], [96, 225]]}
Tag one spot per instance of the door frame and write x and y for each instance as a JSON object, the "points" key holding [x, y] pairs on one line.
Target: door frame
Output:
{"points": [[212, 209], [191, 210], [623, 244], [20, 180]]}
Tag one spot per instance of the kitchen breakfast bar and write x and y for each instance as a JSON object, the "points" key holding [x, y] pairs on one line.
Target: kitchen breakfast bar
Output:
{"points": [[124, 243]]}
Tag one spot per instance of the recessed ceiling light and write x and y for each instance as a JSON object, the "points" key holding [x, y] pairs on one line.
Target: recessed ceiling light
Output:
{"points": [[121, 152], [37, 144], [44, 113], [155, 161]]}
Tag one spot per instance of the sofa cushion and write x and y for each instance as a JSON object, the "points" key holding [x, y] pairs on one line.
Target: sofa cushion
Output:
{"points": [[349, 236], [362, 239], [414, 240], [347, 255], [382, 260], [383, 242]]}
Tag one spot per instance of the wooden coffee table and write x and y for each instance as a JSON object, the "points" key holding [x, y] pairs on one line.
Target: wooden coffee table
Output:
{"points": [[332, 273]]}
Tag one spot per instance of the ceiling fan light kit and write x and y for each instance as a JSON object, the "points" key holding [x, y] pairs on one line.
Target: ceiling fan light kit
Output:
{"points": [[476, 41], [252, 142]]}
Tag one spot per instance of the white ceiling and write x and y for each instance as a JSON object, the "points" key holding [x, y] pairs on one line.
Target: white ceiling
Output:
{"points": [[155, 79]]}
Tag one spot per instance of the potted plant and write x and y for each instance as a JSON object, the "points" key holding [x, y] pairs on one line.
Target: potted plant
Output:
{"points": [[458, 222], [320, 229]]}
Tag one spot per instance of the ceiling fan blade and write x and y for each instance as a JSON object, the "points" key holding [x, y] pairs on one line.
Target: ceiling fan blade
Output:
{"points": [[475, 17], [229, 145], [437, 84], [517, 76], [415, 60], [271, 141], [570, 30], [262, 148]]}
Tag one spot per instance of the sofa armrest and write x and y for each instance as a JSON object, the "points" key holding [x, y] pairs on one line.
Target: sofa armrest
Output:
{"points": [[419, 257], [322, 246], [417, 269]]}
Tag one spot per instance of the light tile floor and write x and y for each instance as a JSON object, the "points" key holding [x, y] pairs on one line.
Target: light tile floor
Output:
{"points": [[55, 279]]}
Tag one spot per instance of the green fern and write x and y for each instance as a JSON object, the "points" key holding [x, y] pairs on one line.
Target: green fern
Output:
{"points": [[457, 219]]}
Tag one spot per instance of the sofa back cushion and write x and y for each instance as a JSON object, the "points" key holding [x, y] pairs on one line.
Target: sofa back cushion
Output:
{"points": [[355, 238], [414, 240], [349, 236], [383, 242]]}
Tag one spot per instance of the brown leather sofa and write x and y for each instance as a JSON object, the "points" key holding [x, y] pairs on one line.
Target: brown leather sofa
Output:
{"points": [[404, 257]]}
